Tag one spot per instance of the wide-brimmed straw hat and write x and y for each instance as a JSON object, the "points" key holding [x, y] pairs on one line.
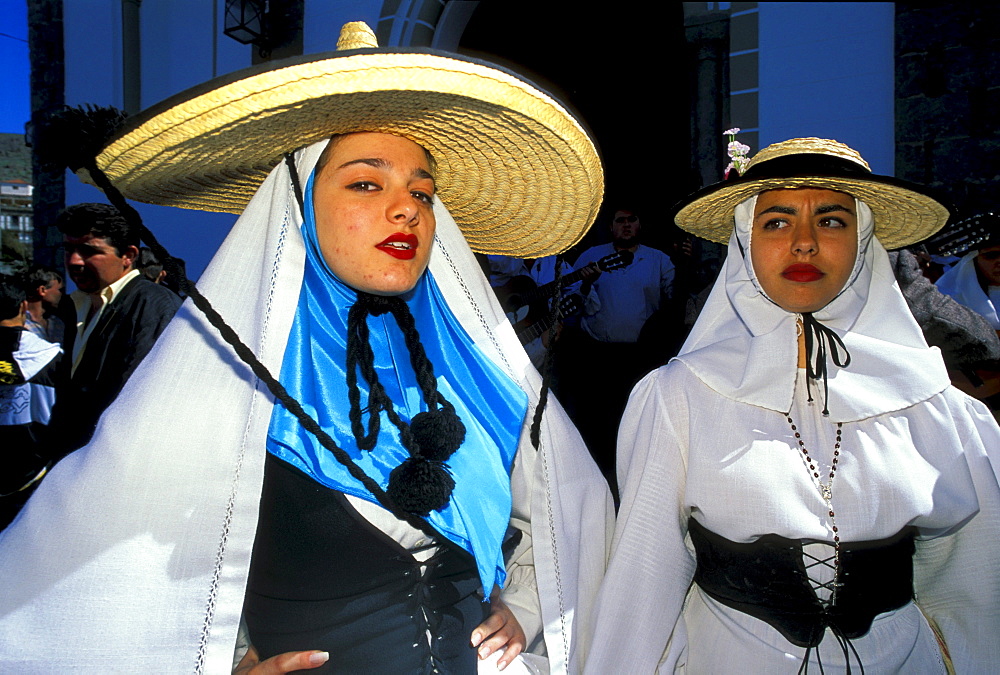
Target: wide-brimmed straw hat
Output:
{"points": [[904, 212], [519, 173]]}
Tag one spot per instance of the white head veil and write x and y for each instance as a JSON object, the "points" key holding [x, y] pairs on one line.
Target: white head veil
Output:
{"points": [[745, 347], [133, 554], [962, 283]]}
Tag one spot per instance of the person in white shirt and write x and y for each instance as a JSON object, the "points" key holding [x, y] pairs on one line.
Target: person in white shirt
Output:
{"points": [[600, 367]]}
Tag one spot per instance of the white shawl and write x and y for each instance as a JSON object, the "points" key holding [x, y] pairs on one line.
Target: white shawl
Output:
{"points": [[133, 554]]}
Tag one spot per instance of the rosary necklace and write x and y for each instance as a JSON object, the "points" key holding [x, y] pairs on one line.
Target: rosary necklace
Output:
{"points": [[826, 492]]}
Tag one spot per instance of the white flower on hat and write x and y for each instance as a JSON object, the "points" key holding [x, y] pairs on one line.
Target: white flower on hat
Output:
{"points": [[738, 153]]}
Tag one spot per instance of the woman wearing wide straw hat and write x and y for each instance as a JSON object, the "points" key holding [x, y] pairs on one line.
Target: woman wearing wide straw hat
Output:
{"points": [[801, 487], [399, 484]]}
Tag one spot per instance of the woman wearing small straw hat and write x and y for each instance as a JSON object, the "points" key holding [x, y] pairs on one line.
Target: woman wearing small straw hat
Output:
{"points": [[360, 509], [802, 490]]}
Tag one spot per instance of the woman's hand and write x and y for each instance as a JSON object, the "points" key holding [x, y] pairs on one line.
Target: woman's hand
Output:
{"points": [[288, 662], [500, 629]]}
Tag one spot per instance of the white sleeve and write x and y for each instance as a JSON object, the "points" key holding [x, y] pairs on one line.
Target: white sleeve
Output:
{"points": [[591, 301], [956, 579], [521, 588], [667, 273], [638, 622]]}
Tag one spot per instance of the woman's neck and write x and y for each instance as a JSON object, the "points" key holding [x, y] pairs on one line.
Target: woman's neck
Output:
{"points": [[802, 347]]}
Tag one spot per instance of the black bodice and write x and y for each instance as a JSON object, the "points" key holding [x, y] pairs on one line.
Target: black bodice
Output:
{"points": [[323, 577]]}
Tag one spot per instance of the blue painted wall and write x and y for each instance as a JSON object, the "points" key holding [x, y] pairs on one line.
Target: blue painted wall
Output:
{"points": [[182, 46], [827, 70]]}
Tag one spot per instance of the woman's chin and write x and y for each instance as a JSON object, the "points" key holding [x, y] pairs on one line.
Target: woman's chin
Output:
{"points": [[388, 286]]}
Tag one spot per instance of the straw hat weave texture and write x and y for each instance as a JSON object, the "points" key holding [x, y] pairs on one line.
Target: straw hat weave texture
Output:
{"points": [[904, 214], [518, 172]]}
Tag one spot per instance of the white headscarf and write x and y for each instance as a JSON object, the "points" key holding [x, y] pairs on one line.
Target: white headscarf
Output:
{"points": [[962, 283], [133, 554], [745, 347]]}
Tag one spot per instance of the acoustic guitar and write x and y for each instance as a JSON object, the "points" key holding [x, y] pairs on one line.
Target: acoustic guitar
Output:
{"points": [[525, 303], [568, 306], [980, 383]]}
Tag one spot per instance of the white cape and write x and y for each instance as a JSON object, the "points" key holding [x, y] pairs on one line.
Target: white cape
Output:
{"points": [[133, 554]]}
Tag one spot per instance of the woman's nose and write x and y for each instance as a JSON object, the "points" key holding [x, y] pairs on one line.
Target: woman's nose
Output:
{"points": [[804, 240], [402, 209]]}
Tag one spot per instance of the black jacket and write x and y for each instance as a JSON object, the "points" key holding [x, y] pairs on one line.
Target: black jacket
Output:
{"points": [[124, 334]]}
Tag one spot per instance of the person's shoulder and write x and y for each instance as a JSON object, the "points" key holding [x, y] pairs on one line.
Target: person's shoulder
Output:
{"points": [[961, 404], [669, 380], [145, 291], [655, 254], [596, 253], [31, 342]]}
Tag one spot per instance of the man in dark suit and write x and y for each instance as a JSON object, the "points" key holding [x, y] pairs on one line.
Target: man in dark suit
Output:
{"points": [[119, 316]]}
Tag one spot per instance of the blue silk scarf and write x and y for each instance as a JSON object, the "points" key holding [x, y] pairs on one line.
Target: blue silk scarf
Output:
{"points": [[490, 404]]}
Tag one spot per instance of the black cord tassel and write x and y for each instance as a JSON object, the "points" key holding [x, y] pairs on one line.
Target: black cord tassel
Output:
{"points": [[422, 483], [827, 342], [75, 136], [535, 434], [438, 433]]}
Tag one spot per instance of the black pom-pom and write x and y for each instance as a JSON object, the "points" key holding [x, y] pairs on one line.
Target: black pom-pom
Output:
{"points": [[419, 486], [438, 433], [75, 136]]}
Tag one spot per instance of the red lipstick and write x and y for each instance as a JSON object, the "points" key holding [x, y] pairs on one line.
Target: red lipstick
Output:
{"points": [[399, 245], [802, 273]]}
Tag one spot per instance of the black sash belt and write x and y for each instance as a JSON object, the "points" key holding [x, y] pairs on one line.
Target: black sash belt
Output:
{"points": [[767, 579]]}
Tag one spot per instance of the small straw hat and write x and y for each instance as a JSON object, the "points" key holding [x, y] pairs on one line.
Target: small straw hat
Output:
{"points": [[904, 213], [519, 173]]}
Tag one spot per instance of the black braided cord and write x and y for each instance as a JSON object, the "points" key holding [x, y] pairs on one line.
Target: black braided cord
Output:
{"points": [[360, 354], [248, 357], [543, 394]]}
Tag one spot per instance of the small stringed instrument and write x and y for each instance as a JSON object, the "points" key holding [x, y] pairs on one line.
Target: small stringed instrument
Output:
{"points": [[568, 306], [525, 303], [980, 383], [961, 236]]}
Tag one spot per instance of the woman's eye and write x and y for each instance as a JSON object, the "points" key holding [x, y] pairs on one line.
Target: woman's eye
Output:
{"points": [[422, 196], [775, 224], [363, 186]]}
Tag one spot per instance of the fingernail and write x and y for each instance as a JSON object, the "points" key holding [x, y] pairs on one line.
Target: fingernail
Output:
{"points": [[501, 665], [319, 658], [484, 652], [476, 639]]}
